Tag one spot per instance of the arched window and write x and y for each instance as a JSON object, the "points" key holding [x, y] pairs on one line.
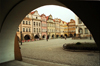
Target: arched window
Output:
{"points": [[23, 29], [23, 22], [86, 31], [79, 21], [34, 23], [80, 30], [26, 29], [26, 22], [29, 23], [36, 17]]}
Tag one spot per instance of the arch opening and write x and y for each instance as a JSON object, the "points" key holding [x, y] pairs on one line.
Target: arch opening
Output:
{"points": [[57, 36], [19, 20], [27, 37]]}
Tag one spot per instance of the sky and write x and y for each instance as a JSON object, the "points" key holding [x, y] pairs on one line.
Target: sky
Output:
{"points": [[56, 11]]}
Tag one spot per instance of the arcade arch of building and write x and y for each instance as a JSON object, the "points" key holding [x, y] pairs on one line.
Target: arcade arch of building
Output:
{"points": [[17, 10]]}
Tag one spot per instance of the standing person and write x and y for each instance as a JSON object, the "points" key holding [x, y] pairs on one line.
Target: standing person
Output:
{"points": [[90, 37], [47, 38], [65, 37]]}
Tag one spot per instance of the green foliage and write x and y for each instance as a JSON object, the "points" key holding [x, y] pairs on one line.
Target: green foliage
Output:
{"points": [[82, 46]]}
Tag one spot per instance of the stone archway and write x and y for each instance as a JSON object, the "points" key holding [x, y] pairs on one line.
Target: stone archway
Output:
{"points": [[74, 34], [61, 36], [53, 36], [27, 37], [66, 35], [71, 35], [80, 30], [36, 37], [57, 36], [43, 36], [10, 15]]}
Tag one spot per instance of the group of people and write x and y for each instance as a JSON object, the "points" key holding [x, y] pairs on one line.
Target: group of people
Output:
{"points": [[47, 38]]}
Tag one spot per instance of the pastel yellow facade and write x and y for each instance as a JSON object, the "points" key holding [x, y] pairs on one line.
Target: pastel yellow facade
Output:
{"points": [[57, 27], [66, 29], [61, 29], [72, 28], [26, 28], [50, 27]]}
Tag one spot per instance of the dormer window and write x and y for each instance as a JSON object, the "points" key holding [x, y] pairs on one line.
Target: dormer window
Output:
{"points": [[26, 22], [36, 17]]}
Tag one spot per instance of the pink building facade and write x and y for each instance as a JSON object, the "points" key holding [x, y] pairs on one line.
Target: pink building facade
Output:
{"points": [[43, 26]]}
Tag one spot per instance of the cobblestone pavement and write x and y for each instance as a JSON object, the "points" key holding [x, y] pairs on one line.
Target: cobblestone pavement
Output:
{"points": [[52, 51]]}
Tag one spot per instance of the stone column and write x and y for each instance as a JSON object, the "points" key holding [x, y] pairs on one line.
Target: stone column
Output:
{"points": [[77, 32]]}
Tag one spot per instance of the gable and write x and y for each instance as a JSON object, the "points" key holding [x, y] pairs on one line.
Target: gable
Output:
{"points": [[36, 14]]}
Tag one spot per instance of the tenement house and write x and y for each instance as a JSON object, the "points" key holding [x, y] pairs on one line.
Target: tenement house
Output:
{"points": [[57, 27], [61, 29], [65, 29], [50, 27], [36, 19], [81, 29], [43, 26], [24, 31], [72, 28]]}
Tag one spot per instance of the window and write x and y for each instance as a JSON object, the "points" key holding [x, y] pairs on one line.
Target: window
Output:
{"points": [[80, 21], [34, 29], [34, 23], [39, 24], [23, 29], [26, 29], [37, 30], [23, 22], [29, 22], [18, 30], [26, 22], [80, 30], [48, 30], [29, 30], [86, 31]]}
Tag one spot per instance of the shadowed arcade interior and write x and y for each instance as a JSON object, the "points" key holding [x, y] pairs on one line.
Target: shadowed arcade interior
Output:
{"points": [[16, 11]]}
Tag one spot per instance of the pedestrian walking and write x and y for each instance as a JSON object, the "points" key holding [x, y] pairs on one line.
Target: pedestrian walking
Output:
{"points": [[65, 37]]}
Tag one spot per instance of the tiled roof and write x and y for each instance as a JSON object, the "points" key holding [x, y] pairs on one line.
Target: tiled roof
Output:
{"points": [[42, 15], [63, 22], [54, 20], [74, 20], [32, 12], [47, 17]]}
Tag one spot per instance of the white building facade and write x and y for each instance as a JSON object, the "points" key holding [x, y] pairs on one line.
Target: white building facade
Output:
{"points": [[81, 29], [36, 24]]}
